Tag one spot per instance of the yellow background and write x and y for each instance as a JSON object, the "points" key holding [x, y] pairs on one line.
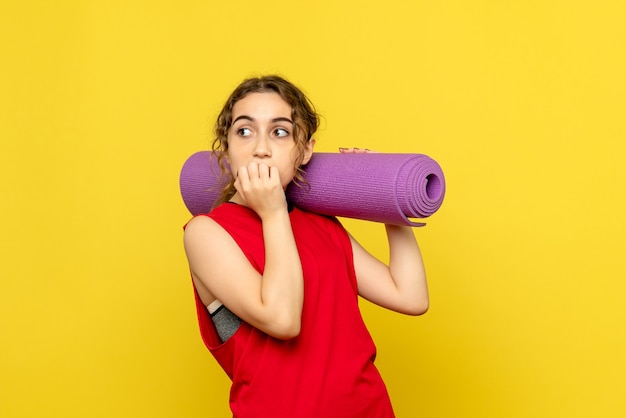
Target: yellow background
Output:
{"points": [[521, 102]]}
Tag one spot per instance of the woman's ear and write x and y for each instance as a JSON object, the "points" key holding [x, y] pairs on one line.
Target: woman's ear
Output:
{"points": [[308, 150]]}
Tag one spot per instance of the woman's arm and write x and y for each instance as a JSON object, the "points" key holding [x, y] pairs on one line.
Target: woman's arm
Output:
{"points": [[401, 286], [271, 302]]}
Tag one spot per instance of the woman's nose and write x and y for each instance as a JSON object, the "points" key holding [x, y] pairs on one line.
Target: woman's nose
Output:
{"points": [[262, 148]]}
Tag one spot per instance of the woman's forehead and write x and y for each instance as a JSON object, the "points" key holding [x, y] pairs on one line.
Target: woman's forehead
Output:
{"points": [[262, 104]]}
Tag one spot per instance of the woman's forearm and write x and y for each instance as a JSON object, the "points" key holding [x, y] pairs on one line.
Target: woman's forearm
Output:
{"points": [[282, 287], [407, 268]]}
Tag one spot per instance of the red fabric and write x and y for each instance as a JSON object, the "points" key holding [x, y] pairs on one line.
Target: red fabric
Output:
{"points": [[328, 370]]}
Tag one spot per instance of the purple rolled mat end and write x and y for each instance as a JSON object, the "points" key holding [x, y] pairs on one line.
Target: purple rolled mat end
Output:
{"points": [[380, 187], [200, 184]]}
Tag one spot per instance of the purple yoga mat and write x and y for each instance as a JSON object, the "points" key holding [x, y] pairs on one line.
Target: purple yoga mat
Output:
{"points": [[379, 187]]}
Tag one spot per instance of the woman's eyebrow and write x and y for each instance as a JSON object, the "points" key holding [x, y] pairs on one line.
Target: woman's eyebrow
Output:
{"points": [[274, 120], [243, 117], [282, 119]]}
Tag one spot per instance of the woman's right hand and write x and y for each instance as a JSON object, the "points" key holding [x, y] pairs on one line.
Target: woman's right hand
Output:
{"points": [[260, 188]]}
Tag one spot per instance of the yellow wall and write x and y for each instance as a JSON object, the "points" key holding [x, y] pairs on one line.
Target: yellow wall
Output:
{"points": [[522, 102]]}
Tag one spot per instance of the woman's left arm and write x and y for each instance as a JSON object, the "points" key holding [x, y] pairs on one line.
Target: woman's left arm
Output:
{"points": [[401, 286]]}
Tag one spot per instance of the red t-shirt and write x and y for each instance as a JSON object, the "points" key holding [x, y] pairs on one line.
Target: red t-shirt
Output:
{"points": [[328, 369]]}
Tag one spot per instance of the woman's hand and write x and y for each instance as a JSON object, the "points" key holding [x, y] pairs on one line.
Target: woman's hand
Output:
{"points": [[356, 151], [260, 188]]}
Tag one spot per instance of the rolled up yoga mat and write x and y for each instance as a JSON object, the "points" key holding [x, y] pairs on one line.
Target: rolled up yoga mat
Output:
{"points": [[378, 187]]}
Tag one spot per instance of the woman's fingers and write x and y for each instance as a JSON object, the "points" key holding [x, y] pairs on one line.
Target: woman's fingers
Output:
{"points": [[274, 175], [258, 179], [260, 188], [254, 173], [264, 171], [356, 151]]}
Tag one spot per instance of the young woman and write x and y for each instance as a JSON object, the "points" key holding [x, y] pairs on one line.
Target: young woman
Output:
{"points": [[276, 287]]}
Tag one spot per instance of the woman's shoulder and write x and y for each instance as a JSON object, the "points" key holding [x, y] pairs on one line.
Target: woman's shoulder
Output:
{"points": [[212, 230], [199, 227], [228, 219], [223, 211], [198, 221]]}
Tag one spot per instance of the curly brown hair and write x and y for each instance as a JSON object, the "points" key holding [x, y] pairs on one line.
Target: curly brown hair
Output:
{"points": [[303, 113]]}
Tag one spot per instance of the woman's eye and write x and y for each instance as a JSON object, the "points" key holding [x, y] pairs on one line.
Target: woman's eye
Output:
{"points": [[281, 133], [244, 132]]}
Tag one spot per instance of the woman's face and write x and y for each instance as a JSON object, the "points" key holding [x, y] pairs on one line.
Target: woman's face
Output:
{"points": [[262, 132]]}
